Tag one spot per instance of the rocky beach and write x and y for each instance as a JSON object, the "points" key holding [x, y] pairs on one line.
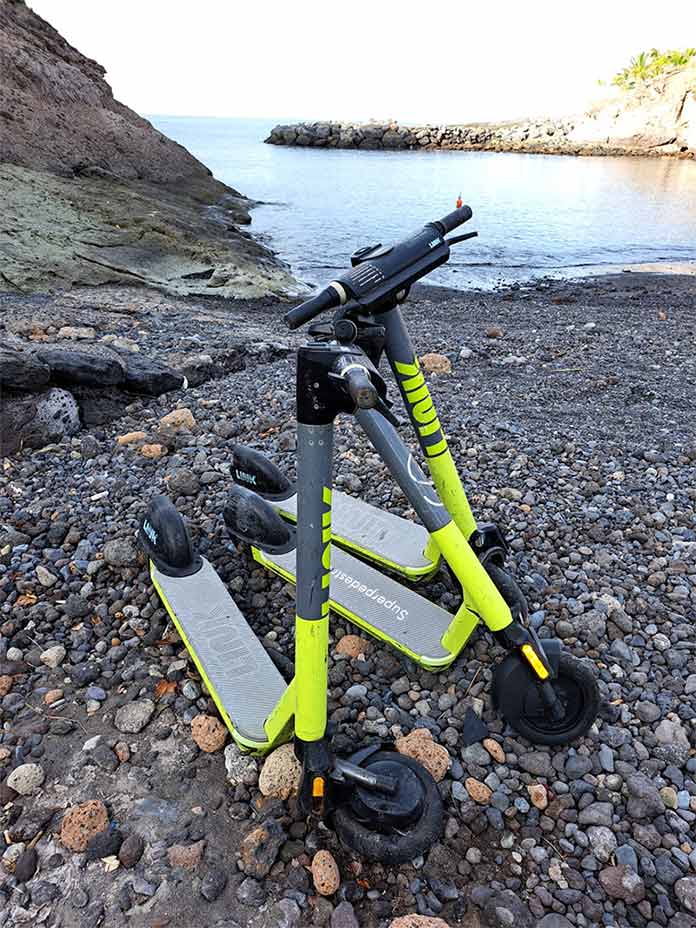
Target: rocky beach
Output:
{"points": [[570, 412], [141, 338]]}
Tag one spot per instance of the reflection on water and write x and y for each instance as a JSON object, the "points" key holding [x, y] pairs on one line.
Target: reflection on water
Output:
{"points": [[536, 214]]}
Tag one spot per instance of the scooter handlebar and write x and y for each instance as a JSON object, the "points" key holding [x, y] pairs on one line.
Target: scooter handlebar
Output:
{"points": [[328, 298], [456, 218], [381, 272]]}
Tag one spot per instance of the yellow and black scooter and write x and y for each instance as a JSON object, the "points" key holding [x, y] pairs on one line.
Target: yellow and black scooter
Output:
{"points": [[543, 692], [382, 804]]}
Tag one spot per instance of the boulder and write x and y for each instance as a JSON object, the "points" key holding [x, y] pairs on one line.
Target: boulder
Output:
{"points": [[180, 418], [82, 367], [100, 405], [393, 140], [420, 746], [621, 882], [418, 921], [186, 856], [209, 733], [81, 823], [260, 848], [434, 363], [325, 875], [281, 773], [686, 892], [145, 375], [26, 779], [36, 420], [22, 370]]}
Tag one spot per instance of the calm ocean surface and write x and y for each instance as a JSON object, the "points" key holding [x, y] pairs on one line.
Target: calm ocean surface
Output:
{"points": [[536, 215]]}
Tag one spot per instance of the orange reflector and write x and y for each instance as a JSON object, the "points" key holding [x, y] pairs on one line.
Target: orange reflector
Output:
{"points": [[533, 658], [318, 787]]}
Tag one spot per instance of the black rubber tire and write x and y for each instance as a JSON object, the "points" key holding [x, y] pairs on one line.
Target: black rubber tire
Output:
{"points": [[510, 591], [577, 678], [395, 848]]}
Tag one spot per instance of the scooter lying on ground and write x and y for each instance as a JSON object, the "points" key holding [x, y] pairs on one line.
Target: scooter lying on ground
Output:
{"points": [[544, 693]]}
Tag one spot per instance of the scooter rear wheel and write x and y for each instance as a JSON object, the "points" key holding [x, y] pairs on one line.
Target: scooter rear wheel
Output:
{"points": [[575, 685], [394, 844]]}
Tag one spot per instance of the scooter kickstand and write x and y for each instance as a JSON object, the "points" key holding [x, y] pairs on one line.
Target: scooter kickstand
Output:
{"points": [[345, 770]]}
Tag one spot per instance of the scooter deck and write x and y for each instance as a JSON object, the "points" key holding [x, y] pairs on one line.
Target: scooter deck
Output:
{"points": [[373, 533], [378, 604], [241, 678]]}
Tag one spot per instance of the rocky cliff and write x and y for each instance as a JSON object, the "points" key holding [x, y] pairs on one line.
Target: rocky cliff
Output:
{"points": [[657, 118], [92, 193]]}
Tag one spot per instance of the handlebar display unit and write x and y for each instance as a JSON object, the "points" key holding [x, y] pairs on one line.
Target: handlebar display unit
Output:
{"points": [[380, 273]]}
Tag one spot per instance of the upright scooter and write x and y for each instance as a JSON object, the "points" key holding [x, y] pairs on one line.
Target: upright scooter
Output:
{"points": [[382, 804], [545, 693]]}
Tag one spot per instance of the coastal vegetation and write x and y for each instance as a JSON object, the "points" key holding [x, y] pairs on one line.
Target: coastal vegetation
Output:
{"points": [[652, 64]]}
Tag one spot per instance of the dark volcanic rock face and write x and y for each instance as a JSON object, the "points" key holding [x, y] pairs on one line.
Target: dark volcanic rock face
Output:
{"points": [[57, 112], [91, 193]]}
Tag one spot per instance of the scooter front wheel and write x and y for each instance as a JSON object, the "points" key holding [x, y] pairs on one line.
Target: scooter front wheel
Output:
{"points": [[520, 702], [394, 829]]}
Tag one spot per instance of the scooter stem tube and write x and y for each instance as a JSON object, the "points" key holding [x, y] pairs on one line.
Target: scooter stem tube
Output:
{"points": [[481, 592], [314, 466], [425, 421]]}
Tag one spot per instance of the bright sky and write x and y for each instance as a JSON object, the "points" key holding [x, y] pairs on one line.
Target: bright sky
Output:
{"points": [[447, 61]]}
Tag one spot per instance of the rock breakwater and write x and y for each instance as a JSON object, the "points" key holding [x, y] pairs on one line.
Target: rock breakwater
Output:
{"points": [[658, 118]]}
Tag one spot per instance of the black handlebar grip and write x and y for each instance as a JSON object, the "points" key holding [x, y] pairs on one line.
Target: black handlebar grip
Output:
{"points": [[456, 218], [360, 387], [328, 298]]}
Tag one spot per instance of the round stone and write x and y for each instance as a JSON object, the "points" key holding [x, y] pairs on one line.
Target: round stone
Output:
{"points": [[26, 778]]}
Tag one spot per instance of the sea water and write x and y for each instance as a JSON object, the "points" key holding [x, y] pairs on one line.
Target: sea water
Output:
{"points": [[537, 215]]}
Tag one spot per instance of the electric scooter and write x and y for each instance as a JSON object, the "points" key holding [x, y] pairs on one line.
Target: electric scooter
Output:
{"points": [[382, 804], [544, 693]]}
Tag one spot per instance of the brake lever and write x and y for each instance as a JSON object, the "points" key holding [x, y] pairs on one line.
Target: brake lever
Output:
{"points": [[460, 238]]}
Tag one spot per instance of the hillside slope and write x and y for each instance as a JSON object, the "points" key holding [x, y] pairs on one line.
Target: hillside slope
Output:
{"points": [[93, 193]]}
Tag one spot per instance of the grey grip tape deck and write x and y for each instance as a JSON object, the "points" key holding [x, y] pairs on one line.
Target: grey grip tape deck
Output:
{"points": [[379, 535], [242, 679], [376, 602]]}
